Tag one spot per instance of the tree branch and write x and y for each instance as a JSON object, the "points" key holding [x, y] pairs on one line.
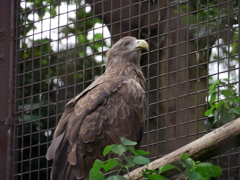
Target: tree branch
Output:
{"points": [[210, 145]]}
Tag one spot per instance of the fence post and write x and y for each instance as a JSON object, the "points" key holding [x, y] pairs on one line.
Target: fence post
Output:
{"points": [[7, 19]]}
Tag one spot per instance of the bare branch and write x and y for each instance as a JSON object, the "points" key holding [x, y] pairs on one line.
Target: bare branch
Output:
{"points": [[210, 145]]}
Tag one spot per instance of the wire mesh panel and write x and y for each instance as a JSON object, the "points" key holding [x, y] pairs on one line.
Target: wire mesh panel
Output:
{"points": [[55, 62], [61, 47]]}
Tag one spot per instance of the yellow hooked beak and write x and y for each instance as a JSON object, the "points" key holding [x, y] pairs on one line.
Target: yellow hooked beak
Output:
{"points": [[141, 44]]}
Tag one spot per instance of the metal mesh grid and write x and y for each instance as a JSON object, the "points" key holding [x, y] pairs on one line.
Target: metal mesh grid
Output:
{"points": [[61, 47]]}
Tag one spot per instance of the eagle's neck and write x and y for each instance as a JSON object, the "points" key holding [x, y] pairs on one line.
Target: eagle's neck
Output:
{"points": [[131, 70]]}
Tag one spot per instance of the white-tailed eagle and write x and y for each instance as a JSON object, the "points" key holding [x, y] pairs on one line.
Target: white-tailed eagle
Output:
{"points": [[113, 106]]}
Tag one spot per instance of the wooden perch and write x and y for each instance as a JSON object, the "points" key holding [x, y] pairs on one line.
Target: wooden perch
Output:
{"points": [[210, 145]]}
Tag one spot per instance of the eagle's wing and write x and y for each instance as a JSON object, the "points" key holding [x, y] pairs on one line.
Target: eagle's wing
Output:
{"points": [[98, 117]]}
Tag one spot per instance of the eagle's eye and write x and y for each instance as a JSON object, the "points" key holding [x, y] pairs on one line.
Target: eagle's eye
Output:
{"points": [[125, 43]]}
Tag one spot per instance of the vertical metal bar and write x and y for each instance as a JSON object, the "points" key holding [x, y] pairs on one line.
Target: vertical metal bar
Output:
{"points": [[7, 87], [188, 77], [177, 76], [148, 80], [198, 75], [158, 75], [167, 79]]}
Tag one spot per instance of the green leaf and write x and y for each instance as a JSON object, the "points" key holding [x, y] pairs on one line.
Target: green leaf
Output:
{"points": [[225, 116], [98, 176], [141, 152], [207, 170], [227, 92], [184, 156], [132, 149], [225, 79], [187, 163], [156, 177], [219, 105], [166, 168], [116, 177], [145, 174], [141, 160], [192, 175], [213, 98], [215, 113], [97, 165], [203, 164], [209, 111], [202, 169], [234, 100], [118, 149], [53, 11], [215, 171], [191, 19], [130, 162], [127, 142], [106, 150], [213, 86], [235, 110], [151, 171], [110, 164]]}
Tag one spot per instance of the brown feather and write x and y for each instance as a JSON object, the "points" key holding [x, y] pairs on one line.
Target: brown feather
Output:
{"points": [[72, 157], [110, 108], [78, 169], [54, 146]]}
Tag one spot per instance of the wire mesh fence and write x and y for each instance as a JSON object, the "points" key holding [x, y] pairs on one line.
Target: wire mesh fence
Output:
{"points": [[61, 47]]}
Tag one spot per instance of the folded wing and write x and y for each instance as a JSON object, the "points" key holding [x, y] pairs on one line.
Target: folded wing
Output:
{"points": [[109, 109]]}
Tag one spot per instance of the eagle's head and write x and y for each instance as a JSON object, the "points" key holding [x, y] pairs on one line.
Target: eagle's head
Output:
{"points": [[127, 49]]}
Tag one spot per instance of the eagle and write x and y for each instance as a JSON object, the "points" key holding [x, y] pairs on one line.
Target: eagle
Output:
{"points": [[113, 106]]}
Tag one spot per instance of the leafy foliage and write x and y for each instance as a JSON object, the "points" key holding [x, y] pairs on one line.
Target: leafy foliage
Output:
{"points": [[224, 101], [203, 20], [197, 170], [123, 162], [100, 169]]}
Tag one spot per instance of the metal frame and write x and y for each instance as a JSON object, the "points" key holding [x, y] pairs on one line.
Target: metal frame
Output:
{"points": [[23, 151], [7, 49]]}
